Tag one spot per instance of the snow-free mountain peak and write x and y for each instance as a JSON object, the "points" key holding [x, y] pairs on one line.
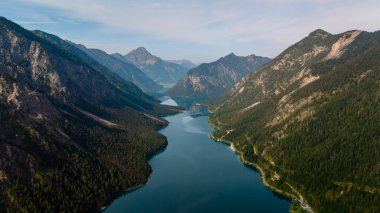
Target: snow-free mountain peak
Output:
{"points": [[162, 72]]}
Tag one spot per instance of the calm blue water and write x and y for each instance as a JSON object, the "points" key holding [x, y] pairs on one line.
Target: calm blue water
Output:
{"points": [[196, 174]]}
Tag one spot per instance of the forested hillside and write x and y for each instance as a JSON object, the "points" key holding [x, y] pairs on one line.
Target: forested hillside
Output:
{"points": [[73, 134], [310, 119]]}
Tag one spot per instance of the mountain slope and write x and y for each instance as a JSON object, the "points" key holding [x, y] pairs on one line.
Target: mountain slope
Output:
{"points": [[210, 81], [73, 134], [309, 119], [184, 63], [125, 70], [162, 72]]}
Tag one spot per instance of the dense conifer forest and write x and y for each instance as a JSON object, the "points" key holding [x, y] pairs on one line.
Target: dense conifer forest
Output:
{"points": [[320, 140]]}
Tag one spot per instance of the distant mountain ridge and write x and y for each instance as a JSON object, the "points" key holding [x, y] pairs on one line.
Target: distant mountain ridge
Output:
{"points": [[124, 69], [310, 120], [162, 72], [210, 81], [185, 63]]}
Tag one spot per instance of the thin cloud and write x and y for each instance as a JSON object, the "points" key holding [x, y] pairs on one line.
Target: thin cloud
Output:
{"points": [[23, 22], [227, 23]]}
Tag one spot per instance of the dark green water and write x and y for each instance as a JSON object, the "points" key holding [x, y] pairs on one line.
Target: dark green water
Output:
{"points": [[196, 174]]}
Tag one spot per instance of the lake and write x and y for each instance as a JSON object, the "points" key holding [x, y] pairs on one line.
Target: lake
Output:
{"points": [[197, 174]]}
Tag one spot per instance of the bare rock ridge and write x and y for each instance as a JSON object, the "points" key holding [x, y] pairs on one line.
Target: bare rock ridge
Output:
{"points": [[122, 68], [210, 81], [141, 56], [162, 72]]}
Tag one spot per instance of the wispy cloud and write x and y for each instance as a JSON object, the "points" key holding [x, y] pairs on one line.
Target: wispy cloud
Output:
{"points": [[240, 25], [24, 22]]}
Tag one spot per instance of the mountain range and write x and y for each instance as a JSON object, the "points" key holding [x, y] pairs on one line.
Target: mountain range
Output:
{"points": [[309, 119], [184, 63], [124, 69], [210, 81], [73, 133], [78, 124], [162, 72]]}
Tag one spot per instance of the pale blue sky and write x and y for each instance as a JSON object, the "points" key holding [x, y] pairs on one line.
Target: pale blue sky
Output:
{"points": [[198, 30]]}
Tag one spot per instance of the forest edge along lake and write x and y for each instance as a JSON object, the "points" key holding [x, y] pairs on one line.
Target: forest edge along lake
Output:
{"points": [[196, 174]]}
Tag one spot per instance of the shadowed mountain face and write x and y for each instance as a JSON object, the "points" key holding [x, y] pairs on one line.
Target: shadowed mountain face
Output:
{"points": [[212, 80], [73, 134], [162, 72], [124, 69], [311, 118]]}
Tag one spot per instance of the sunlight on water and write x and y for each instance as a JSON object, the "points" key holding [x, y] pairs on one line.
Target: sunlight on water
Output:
{"points": [[169, 102]]}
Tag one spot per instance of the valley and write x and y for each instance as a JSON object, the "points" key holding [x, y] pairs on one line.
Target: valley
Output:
{"points": [[91, 121], [197, 174]]}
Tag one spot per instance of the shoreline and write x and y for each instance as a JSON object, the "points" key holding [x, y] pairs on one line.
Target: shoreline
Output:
{"points": [[149, 157], [263, 175], [128, 190]]}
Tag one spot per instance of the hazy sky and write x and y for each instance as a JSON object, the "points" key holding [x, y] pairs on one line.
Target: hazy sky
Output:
{"points": [[199, 30]]}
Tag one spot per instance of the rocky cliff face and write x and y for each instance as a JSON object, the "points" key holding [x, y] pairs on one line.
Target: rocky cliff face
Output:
{"points": [[73, 134], [95, 57], [307, 118], [163, 72], [210, 81]]}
